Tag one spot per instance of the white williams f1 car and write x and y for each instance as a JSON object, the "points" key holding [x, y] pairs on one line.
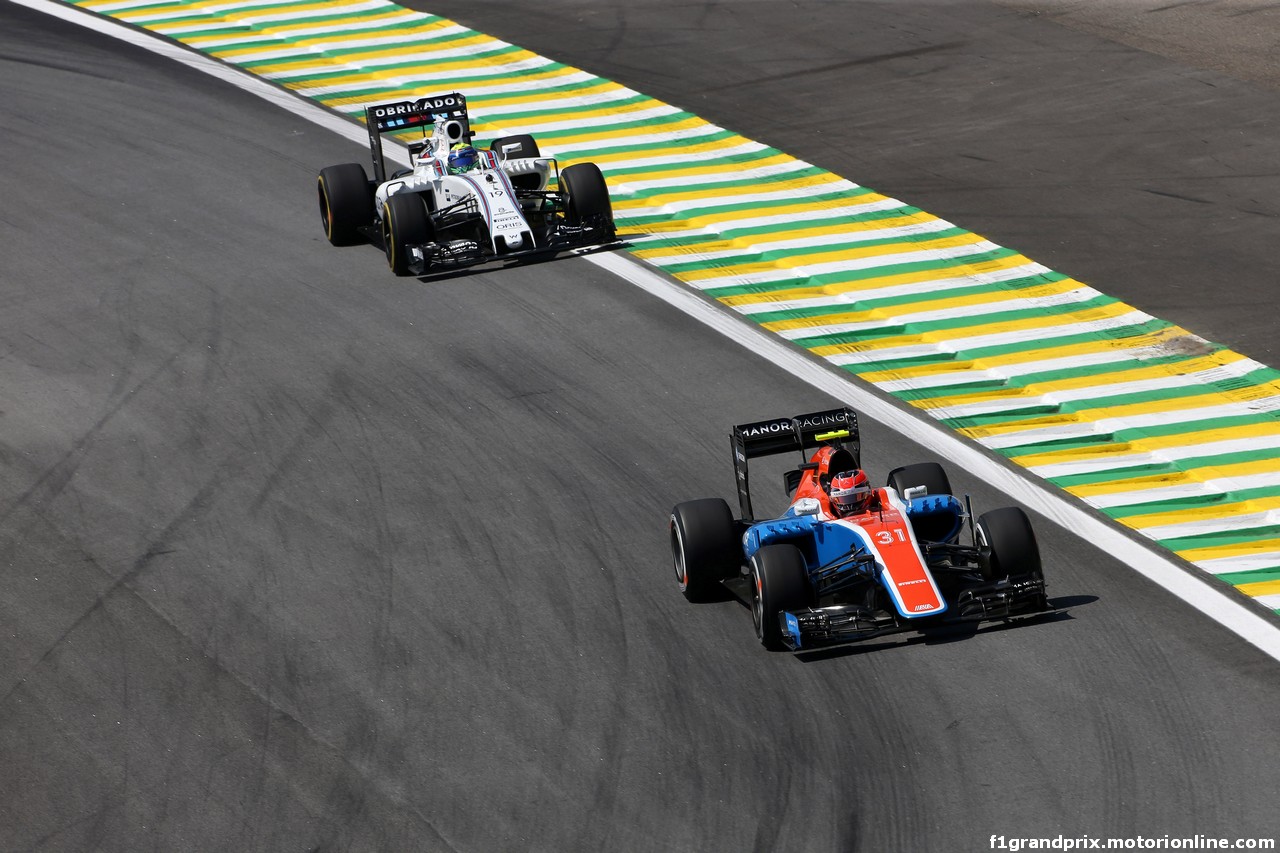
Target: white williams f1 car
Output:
{"points": [[459, 205]]}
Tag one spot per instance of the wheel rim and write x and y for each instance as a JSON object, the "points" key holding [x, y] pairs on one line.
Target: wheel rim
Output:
{"points": [[326, 215], [386, 237], [677, 555], [757, 602]]}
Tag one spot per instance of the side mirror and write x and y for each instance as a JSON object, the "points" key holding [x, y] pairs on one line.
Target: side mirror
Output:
{"points": [[807, 506], [915, 492], [791, 480]]}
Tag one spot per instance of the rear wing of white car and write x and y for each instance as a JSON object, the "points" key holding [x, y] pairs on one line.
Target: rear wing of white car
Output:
{"points": [[421, 113]]}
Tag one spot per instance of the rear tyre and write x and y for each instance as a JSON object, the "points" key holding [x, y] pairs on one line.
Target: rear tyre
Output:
{"points": [[405, 222], [927, 474], [346, 202], [1007, 545], [781, 583], [587, 197], [515, 147], [704, 547]]}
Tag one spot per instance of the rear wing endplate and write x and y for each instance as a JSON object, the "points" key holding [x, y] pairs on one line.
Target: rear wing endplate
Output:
{"points": [[795, 434], [404, 115]]}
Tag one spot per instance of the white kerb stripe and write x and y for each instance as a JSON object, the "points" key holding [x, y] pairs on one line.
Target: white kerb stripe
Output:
{"points": [[309, 30], [1111, 461], [1241, 563], [1005, 372], [748, 252], [956, 345], [954, 253], [1106, 426], [1216, 486], [855, 292], [975, 310]]}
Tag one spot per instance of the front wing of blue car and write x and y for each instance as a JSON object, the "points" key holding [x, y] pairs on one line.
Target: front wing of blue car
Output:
{"points": [[819, 627]]}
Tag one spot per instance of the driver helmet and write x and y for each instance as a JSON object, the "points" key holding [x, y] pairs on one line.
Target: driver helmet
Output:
{"points": [[462, 158], [850, 492]]}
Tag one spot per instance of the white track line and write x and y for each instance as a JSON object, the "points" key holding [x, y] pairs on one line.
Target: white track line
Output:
{"points": [[1215, 600]]}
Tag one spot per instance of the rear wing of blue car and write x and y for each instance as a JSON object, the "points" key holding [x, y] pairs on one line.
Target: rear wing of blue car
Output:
{"points": [[406, 115], [796, 434]]}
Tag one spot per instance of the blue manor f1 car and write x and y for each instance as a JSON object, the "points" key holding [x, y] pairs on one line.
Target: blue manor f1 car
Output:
{"points": [[847, 561]]}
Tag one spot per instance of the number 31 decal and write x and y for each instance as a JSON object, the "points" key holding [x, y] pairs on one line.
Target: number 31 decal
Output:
{"points": [[886, 537]]}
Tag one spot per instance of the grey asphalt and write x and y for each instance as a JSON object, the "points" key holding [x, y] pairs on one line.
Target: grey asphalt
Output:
{"points": [[300, 556]]}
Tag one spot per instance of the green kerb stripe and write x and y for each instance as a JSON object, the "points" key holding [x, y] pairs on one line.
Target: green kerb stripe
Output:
{"points": [[1255, 576], [1189, 503], [329, 52], [821, 249], [290, 38]]}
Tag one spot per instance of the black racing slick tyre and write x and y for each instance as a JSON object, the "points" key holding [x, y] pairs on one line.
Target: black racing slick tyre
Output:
{"points": [[704, 547], [1007, 545], [587, 197], [781, 583], [405, 222], [927, 474], [515, 147], [346, 203]]}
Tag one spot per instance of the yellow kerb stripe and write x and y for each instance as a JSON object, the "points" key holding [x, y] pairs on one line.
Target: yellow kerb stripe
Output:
{"points": [[695, 171], [872, 283], [1260, 588], [1150, 444], [781, 232], [691, 149], [992, 298], [591, 135], [995, 362], [409, 51], [186, 8], [1234, 549], [845, 254], [375, 78], [952, 335], [1218, 511], [1173, 406], [725, 194], [1198, 474], [496, 101], [1136, 374], [712, 218], [293, 30]]}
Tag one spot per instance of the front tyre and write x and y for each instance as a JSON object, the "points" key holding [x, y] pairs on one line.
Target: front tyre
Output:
{"points": [[587, 198], [1007, 545], [346, 203], [405, 223], [704, 547], [781, 583]]}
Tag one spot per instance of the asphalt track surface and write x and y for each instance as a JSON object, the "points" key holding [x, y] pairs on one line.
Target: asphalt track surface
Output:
{"points": [[299, 556]]}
